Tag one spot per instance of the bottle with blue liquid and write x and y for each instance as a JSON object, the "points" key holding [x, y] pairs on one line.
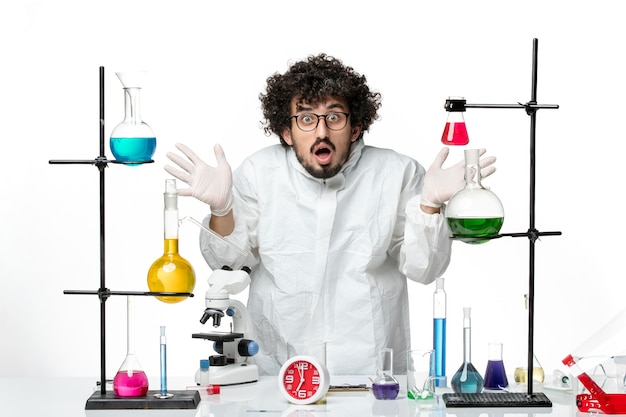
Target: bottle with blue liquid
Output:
{"points": [[467, 379], [132, 141], [439, 333]]}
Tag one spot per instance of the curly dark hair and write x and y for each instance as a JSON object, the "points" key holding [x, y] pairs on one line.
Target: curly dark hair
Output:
{"points": [[311, 81]]}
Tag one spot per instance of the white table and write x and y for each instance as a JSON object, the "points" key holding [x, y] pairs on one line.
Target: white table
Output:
{"points": [[66, 397]]}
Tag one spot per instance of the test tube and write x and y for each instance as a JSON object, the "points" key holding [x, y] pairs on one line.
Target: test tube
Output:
{"points": [[163, 346], [607, 341]]}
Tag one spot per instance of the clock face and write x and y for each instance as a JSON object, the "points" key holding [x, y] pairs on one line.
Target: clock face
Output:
{"points": [[303, 380]]}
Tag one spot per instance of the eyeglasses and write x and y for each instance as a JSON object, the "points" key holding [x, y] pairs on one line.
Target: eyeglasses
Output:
{"points": [[309, 121]]}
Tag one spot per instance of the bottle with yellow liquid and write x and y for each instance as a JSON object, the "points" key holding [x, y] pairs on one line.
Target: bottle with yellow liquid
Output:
{"points": [[521, 371], [171, 272]]}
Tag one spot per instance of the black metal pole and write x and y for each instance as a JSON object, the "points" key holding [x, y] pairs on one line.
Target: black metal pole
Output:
{"points": [[532, 230], [103, 298]]}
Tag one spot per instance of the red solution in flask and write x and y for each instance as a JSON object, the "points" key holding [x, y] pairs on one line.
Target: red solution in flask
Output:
{"points": [[455, 133]]}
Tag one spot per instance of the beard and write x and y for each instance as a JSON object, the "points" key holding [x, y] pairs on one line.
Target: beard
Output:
{"points": [[322, 171]]}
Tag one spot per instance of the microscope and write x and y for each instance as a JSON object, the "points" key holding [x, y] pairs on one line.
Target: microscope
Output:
{"points": [[230, 366]]}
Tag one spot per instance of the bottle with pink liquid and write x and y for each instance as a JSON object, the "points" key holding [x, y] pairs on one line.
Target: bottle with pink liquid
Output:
{"points": [[130, 380], [455, 131]]}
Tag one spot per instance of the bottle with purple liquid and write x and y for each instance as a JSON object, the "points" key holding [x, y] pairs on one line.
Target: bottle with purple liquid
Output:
{"points": [[385, 386], [495, 375]]}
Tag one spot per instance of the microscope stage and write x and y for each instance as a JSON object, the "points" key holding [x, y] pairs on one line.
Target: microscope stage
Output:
{"points": [[218, 337]]}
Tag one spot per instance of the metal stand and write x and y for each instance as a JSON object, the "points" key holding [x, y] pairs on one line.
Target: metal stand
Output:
{"points": [[532, 233], [184, 399]]}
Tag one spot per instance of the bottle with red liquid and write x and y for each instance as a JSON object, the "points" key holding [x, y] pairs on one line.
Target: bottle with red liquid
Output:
{"points": [[455, 131], [130, 380]]}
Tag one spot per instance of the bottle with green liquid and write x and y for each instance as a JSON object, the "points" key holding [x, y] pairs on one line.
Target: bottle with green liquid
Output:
{"points": [[474, 214]]}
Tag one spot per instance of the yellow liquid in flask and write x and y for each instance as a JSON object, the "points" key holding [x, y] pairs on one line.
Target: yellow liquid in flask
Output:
{"points": [[171, 273]]}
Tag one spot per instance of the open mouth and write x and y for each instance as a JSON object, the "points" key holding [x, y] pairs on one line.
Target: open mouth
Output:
{"points": [[323, 153]]}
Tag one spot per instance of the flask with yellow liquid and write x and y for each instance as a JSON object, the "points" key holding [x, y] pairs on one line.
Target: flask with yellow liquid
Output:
{"points": [[171, 272], [521, 371]]}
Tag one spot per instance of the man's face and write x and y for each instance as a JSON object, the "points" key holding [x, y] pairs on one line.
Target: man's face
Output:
{"points": [[321, 151]]}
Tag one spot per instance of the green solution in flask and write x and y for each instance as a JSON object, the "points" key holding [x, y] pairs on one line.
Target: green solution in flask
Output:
{"points": [[474, 214], [467, 380], [132, 140]]}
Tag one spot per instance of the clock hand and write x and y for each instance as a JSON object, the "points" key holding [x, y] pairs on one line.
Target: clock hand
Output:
{"points": [[301, 372]]}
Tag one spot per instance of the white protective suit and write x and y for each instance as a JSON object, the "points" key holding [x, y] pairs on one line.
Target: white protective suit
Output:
{"points": [[330, 258]]}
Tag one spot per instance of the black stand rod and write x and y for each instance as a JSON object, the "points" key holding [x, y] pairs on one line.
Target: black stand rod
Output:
{"points": [[531, 240], [532, 234], [101, 168]]}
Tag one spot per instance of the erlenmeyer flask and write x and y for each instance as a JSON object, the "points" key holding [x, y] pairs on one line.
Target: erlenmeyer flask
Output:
{"points": [[171, 272], [495, 375], [455, 131], [474, 212], [132, 140], [467, 379], [130, 380]]}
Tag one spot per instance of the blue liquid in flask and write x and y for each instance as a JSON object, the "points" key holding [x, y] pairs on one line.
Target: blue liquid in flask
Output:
{"points": [[467, 380], [133, 149]]}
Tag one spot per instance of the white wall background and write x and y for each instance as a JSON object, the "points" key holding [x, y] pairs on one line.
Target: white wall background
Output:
{"points": [[208, 62]]}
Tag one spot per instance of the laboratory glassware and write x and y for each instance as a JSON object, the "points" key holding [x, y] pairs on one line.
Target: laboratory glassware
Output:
{"points": [[474, 212], [455, 131], [467, 379], [495, 375], [163, 362], [171, 272], [385, 386], [520, 375], [439, 333], [130, 380], [202, 374], [419, 374], [132, 140], [607, 341]]}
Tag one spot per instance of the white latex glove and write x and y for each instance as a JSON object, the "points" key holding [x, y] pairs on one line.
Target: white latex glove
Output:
{"points": [[441, 184], [211, 185]]}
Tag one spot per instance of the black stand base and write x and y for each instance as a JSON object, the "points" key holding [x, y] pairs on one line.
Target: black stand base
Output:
{"points": [[184, 399], [496, 399]]}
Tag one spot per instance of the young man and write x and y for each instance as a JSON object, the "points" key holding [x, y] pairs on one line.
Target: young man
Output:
{"points": [[333, 227]]}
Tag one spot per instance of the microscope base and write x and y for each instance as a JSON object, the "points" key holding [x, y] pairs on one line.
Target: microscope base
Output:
{"points": [[233, 374]]}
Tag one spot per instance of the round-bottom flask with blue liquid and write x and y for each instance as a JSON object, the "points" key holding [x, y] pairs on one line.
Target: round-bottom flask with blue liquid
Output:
{"points": [[132, 141]]}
